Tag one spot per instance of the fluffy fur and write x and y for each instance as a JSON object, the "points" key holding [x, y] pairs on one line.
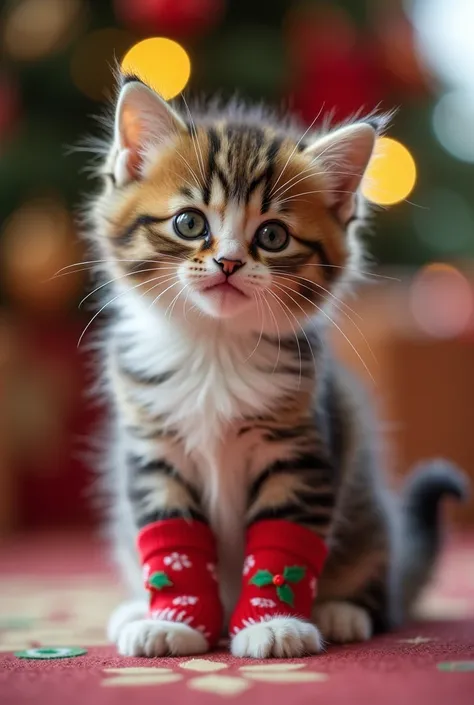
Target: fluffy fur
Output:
{"points": [[226, 403]]}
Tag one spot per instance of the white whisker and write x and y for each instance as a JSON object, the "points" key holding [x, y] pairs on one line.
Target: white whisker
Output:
{"points": [[281, 304], [195, 141], [295, 148], [323, 312], [339, 308], [260, 311], [277, 330], [304, 312], [111, 301], [115, 279]]}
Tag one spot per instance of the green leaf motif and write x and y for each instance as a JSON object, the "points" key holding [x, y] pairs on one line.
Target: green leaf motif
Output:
{"points": [[159, 580], [294, 573], [285, 594], [261, 577]]}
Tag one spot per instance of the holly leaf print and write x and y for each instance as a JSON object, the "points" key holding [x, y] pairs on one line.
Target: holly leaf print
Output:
{"points": [[286, 595], [294, 573], [261, 577], [159, 580]]}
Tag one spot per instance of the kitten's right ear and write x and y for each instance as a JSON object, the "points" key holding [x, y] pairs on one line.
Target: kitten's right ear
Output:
{"points": [[142, 119]]}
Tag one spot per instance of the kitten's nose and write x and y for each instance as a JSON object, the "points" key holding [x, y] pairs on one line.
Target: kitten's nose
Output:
{"points": [[229, 266]]}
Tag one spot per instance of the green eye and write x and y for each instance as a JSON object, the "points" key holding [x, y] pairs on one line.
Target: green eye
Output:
{"points": [[190, 225], [272, 236]]}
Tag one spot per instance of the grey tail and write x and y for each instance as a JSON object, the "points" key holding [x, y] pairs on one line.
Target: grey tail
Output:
{"points": [[428, 484]]}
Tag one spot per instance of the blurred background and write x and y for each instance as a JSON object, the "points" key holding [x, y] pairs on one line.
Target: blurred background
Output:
{"points": [[411, 331]]}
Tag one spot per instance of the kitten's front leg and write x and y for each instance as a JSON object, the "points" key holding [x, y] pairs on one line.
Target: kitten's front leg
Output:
{"points": [[178, 554], [289, 515]]}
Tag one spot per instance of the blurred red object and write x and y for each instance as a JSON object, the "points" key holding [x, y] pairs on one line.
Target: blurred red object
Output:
{"points": [[396, 46], [171, 17], [9, 104], [333, 68], [50, 425]]}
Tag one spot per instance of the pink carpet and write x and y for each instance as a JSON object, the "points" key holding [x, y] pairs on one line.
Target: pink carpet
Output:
{"points": [[59, 592]]}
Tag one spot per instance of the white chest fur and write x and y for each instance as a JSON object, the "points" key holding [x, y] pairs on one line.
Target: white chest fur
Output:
{"points": [[218, 378]]}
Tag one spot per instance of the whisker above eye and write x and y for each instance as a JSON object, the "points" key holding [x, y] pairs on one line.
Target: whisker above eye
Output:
{"points": [[194, 140], [296, 147], [191, 170]]}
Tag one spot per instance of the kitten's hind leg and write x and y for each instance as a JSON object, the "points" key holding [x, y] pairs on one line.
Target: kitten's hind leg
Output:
{"points": [[343, 622]]}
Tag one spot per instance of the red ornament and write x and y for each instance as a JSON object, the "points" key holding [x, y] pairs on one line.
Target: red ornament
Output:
{"points": [[9, 104], [170, 17], [333, 66], [278, 580]]}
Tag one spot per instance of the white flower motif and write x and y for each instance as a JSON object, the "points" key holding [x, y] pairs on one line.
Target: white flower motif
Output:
{"points": [[177, 561], [262, 602], [185, 600], [146, 572], [312, 587], [249, 564], [212, 568]]}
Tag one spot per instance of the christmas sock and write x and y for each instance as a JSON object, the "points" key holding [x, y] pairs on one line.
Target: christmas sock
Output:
{"points": [[282, 565], [179, 570]]}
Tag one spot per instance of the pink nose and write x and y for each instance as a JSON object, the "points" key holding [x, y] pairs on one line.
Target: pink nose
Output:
{"points": [[229, 266]]}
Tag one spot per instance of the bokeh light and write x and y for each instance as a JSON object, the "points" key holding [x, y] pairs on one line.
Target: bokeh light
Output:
{"points": [[38, 240], [441, 300], [445, 37], [453, 120], [391, 174], [34, 29], [162, 63], [95, 58]]}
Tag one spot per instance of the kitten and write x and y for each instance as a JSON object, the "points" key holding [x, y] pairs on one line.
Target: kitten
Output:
{"points": [[228, 238]]}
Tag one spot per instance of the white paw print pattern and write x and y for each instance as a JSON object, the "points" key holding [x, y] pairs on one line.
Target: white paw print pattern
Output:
{"points": [[177, 561], [262, 602], [312, 587], [185, 600], [212, 568], [248, 564]]}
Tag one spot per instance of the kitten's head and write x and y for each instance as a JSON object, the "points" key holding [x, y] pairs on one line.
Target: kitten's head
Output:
{"points": [[229, 214]]}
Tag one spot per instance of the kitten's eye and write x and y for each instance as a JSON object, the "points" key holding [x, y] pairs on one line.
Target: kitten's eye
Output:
{"points": [[190, 225], [272, 237]]}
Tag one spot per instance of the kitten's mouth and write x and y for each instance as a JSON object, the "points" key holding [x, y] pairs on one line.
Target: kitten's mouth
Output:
{"points": [[224, 288]]}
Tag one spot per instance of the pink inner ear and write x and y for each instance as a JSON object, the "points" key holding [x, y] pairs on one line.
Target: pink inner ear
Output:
{"points": [[131, 130]]}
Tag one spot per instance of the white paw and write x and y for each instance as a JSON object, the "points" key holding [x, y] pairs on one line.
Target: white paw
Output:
{"points": [[343, 622], [152, 637], [282, 637], [123, 614]]}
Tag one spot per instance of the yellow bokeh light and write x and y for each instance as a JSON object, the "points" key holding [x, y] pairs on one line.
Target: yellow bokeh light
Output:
{"points": [[391, 174], [162, 63]]}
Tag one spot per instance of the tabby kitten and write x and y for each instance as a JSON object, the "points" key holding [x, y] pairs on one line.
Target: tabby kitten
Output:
{"points": [[243, 462]]}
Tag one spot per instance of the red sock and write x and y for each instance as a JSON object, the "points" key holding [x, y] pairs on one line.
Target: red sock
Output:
{"points": [[283, 562], [179, 569]]}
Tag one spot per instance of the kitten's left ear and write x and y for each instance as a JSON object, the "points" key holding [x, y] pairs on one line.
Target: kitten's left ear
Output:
{"points": [[142, 120], [344, 155]]}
